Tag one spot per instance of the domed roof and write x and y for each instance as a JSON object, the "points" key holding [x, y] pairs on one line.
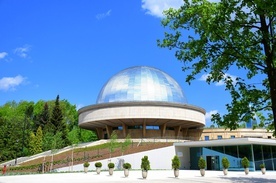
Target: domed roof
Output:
{"points": [[141, 83]]}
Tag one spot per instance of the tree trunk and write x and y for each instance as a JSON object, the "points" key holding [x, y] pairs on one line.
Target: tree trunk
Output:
{"points": [[269, 49]]}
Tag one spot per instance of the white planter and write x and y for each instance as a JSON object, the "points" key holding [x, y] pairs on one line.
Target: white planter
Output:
{"points": [[126, 172], [263, 170], [246, 171], [176, 173], [144, 174], [98, 170], [202, 172], [111, 171], [85, 169], [225, 171]]}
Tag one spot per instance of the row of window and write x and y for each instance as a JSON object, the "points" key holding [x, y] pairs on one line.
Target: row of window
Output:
{"points": [[218, 137]]}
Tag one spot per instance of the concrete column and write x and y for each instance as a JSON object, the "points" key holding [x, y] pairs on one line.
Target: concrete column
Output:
{"points": [[184, 132], [124, 130], [177, 130], [100, 133], [108, 130], [144, 129], [163, 129]]}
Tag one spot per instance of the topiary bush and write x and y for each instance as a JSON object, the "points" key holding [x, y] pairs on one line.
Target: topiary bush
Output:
{"points": [[225, 163], [201, 163]]}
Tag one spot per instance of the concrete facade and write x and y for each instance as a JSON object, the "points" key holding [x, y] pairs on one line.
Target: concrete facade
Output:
{"points": [[141, 119]]}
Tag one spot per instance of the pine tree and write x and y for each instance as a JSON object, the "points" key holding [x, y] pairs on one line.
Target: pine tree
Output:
{"points": [[58, 122], [39, 137], [44, 117], [32, 143], [57, 117]]}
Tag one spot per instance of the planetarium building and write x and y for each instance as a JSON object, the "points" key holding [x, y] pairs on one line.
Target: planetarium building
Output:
{"points": [[143, 102]]}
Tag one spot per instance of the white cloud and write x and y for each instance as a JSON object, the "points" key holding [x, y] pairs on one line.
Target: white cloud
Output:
{"points": [[3, 55], [156, 7], [78, 106], [103, 15], [208, 115], [10, 83], [22, 51], [204, 77], [221, 82]]}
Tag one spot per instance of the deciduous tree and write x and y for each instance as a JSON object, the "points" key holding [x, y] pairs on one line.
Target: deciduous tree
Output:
{"points": [[213, 38]]}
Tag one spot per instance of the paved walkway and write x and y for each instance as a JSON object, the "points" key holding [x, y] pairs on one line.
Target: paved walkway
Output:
{"points": [[136, 176]]}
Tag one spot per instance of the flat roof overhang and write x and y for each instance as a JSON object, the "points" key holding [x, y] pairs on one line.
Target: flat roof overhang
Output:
{"points": [[227, 142], [137, 113]]}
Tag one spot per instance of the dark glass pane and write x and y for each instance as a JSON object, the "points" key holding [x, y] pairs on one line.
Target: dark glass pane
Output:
{"points": [[246, 151], [195, 153], [267, 157], [257, 149]]}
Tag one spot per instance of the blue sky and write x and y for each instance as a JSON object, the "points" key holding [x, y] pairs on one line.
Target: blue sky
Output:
{"points": [[72, 48]]}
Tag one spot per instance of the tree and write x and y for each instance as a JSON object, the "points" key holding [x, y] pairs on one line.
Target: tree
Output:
{"points": [[35, 144], [125, 144], [39, 137], [57, 117], [226, 35], [32, 143], [44, 117], [59, 123], [112, 142]]}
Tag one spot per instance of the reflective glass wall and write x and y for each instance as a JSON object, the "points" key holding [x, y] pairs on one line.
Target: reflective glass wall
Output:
{"points": [[256, 154]]}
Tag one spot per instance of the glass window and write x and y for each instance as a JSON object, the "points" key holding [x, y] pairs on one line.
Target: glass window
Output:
{"points": [[245, 151], [219, 136], [273, 149], [195, 153], [257, 149], [232, 136], [267, 157], [231, 153], [206, 137]]}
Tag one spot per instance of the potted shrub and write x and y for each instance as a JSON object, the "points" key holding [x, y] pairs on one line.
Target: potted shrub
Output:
{"points": [[263, 169], [202, 165], [245, 165], [225, 164], [98, 166], [126, 167], [176, 165], [85, 166], [145, 166], [111, 168]]}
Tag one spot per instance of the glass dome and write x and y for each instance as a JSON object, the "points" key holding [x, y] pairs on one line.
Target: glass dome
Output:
{"points": [[141, 84]]}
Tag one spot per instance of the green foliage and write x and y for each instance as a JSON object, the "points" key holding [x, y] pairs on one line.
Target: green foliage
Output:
{"points": [[175, 162], [112, 142], [32, 143], [19, 119], [225, 162], [39, 137], [145, 163], [226, 36], [86, 164], [262, 165], [127, 166], [74, 135], [87, 135], [98, 164], [126, 143], [201, 163], [57, 117], [245, 162], [43, 118], [111, 165]]}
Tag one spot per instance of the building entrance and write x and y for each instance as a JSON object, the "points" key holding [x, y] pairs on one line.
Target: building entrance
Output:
{"points": [[212, 162]]}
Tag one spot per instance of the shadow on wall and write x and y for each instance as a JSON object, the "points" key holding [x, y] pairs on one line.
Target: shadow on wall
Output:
{"points": [[120, 163], [247, 179]]}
